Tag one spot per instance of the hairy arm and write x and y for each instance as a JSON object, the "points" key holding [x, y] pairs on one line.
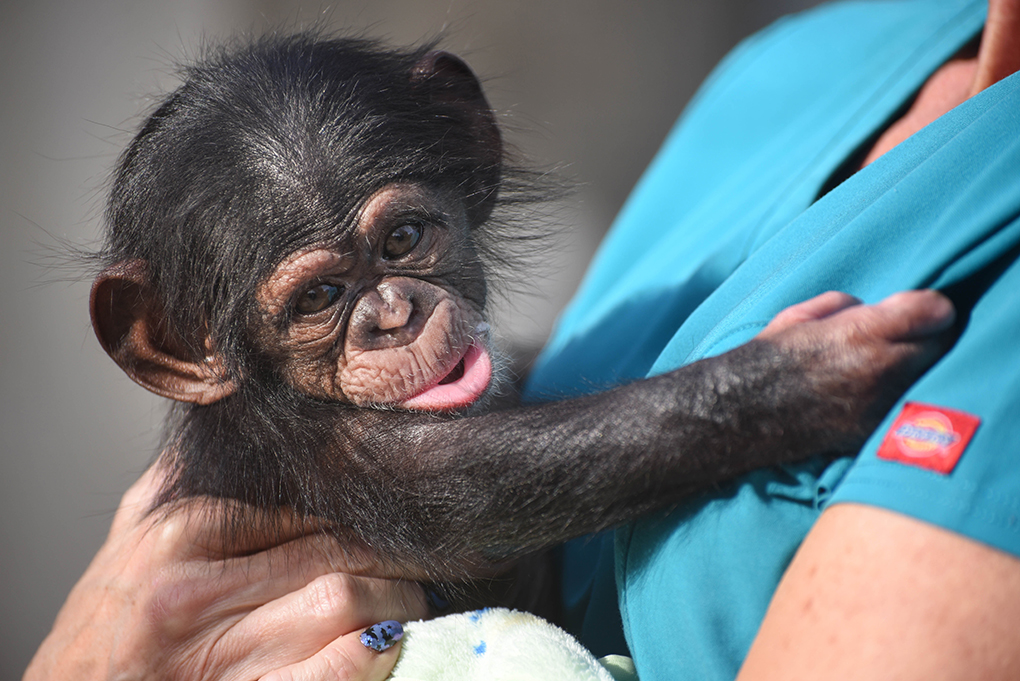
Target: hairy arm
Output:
{"points": [[488, 488]]}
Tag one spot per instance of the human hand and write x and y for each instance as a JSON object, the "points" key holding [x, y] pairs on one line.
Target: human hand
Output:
{"points": [[161, 600]]}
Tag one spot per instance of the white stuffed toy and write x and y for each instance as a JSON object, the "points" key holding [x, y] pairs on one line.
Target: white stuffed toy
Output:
{"points": [[496, 644]]}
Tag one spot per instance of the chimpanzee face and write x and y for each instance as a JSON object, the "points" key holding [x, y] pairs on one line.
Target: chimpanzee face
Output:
{"points": [[305, 212], [392, 314]]}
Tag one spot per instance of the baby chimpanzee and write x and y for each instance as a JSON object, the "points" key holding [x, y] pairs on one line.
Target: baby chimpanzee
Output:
{"points": [[298, 244]]}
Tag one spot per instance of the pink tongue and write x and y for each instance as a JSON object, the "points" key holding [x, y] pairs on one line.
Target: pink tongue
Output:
{"points": [[461, 392]]}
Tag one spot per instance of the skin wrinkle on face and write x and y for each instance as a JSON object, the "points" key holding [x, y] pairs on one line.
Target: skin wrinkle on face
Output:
{"points": [[296, 270], [409, 369], [430, 325]]}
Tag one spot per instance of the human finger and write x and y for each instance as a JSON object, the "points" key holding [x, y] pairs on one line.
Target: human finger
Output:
{"points": [[300, 624], [251, 581], [137, 501], [225, 530], [367, 655]]}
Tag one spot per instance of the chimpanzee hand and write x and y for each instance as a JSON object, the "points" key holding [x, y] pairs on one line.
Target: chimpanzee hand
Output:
{"points": [[160, 601], [899, 320], [857, 359]]}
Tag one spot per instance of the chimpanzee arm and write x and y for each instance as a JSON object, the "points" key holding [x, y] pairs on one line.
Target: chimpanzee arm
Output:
{"points": [[487, 488], [436, 497]]}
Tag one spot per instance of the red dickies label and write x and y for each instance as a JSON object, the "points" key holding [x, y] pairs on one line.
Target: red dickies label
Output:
{"points": [[928, 437]]}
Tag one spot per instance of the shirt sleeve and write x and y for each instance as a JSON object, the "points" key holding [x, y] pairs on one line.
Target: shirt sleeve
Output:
{"points": [[904, 465]]}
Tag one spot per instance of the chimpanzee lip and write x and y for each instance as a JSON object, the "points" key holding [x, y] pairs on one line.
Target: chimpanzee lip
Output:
{"points": [[455, 375], [461, 387]]}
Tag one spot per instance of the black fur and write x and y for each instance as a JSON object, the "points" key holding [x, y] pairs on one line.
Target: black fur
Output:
{"points": [[272, 146]]}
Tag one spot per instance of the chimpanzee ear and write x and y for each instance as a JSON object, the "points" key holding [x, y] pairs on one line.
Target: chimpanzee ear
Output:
{"points": [[450, 81], [129, 322]]}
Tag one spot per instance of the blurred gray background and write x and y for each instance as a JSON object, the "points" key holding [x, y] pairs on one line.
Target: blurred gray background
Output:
{"points": [[587, 87]]}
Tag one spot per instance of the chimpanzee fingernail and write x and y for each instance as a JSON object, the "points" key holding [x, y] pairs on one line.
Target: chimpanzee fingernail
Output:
{"points": [[380, 637]]}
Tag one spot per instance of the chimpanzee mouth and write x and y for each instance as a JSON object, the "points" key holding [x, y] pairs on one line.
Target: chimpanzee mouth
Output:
{"points": [[455, 375], [461, 387]]}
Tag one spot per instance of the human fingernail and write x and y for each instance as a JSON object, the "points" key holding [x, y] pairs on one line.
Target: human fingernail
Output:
{"points": [[382, 636]]}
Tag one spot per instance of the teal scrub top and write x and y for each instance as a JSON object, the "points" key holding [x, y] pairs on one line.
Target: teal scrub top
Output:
{"points": [[726, 229]]}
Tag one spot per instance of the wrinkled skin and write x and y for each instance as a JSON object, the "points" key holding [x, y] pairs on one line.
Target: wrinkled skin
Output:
{"points": [[388, 326]]}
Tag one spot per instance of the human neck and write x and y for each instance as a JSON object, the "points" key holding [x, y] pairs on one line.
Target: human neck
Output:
{"points": [[999, 55], [962, 77]]}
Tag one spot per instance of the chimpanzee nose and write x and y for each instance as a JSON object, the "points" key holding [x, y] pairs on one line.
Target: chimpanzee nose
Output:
{"points": [[386, 316], [394, 311]]}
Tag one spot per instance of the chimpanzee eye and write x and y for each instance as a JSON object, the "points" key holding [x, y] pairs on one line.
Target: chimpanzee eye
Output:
{"points": [[402, 241], [317, 298]]}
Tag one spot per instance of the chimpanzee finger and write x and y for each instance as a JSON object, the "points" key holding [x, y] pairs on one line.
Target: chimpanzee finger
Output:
{"points": [[348, 658], [915, 325], [302, 624], [912, 315], [819, 307]]}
